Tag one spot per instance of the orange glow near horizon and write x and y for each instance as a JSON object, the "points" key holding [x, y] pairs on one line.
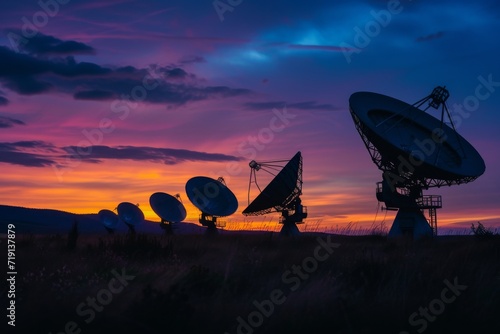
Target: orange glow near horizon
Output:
{"points": [[103, 186]]}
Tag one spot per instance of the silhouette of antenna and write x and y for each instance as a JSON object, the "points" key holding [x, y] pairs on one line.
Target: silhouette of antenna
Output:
{"points": [[415, 151], [131, 215], [213, 198], [169, 209], [281, 195]]}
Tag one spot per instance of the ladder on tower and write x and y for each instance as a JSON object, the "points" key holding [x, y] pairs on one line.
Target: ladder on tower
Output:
{"points": [[433, 220], [432, 203]]}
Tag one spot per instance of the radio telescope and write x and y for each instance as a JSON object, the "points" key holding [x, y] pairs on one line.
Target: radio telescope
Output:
{"points": [[281, 195], [169, 208], [213, 198], [109, 219], [131, 215], [414, 151]]}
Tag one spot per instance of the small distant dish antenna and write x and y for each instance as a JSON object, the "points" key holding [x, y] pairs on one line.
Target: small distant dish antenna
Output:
{"points": [[213, 198], [169, 208], [131, 215], [109, 220], [414, 151], [281, 195]]}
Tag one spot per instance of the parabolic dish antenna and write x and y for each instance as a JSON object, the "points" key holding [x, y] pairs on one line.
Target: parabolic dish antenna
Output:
{"points": [[168, 208], [109, 219], [415, 151], [282, 194], [130, 214], [213, 198], [396, 129]]}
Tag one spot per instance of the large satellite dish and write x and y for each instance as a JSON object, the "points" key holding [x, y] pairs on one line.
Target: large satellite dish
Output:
{"points": [[130, 214], [415, 151], [168, 208], [109, 219], [282, 194], [213, 198]]}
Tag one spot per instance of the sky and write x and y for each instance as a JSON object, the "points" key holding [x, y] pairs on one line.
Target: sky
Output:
{"points": [[104, 102]]}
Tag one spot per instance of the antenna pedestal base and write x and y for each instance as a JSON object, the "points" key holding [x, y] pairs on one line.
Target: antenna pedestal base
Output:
{"points": [[290, 219], [210, 222], [167, 227], [289, 230], [212, 230], [410, 222]]}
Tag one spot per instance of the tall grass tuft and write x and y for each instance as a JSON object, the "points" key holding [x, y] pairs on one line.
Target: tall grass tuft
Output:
{"points": [[480, 231]]}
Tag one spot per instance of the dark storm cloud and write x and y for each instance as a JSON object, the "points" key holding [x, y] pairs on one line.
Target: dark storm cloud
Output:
{"points": [[29, 74], [167, 156], [26, 153], [7, 122], [41, 44], [430, 37], [307, 105]]}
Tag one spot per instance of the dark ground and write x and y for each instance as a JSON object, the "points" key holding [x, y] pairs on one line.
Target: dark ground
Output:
{"points": [[199, 284]]}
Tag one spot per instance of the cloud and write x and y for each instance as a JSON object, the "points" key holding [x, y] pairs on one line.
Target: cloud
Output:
{"points": [[21, 72], [68, 67], [167, 88], [95, 94], [333, 48], [191, 60], [3, 101], [7, 122], [25, 153], [26, 85], [174, 73], [29, 74], [307, 105], [43, 154], [430, 37], [168, 156], [41, 44], [311, 105], [19, 64]]}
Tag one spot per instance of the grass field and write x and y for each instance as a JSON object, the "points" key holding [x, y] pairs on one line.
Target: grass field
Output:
{"points": [[257, 283]]}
